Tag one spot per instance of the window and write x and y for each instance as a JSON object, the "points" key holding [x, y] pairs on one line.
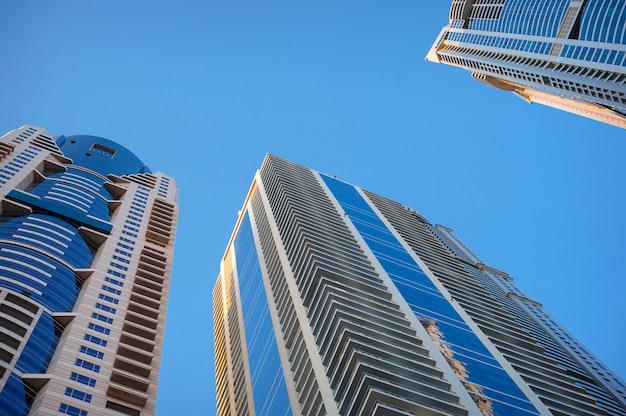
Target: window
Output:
{"points": [[100, 329], [105, 308], [87, 365], [122, 252], [91, 352], [95, 340], [102, 318], [102, 149], [125, 246], [108, 298], [113, 282], [121, 259], [116, 274], [119, 266], [77, 394], [83, 379], [111, 290], [66, 409]]}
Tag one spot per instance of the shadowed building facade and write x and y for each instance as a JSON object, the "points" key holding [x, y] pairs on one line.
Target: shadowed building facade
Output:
{"points": [[86, 248], [567, 54], [332, 300]]}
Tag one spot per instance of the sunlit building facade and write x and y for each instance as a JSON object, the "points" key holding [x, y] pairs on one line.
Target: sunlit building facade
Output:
{"points": [[567, 54], [332, 300], [86, 247]]}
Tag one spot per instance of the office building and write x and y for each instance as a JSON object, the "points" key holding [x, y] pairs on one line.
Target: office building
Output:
{"points": [[567, 54], [332, 300], [86, 245]]}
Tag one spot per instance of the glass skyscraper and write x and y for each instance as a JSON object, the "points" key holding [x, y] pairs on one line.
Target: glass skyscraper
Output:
{"points": [[567, 54], [86, 248], [332, 300]]}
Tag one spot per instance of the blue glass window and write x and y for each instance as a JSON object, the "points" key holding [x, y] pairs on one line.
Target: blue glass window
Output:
{"points": [[77, 394], [113, 281], [111, 290], [100, 329], [268, 383], [95, 340], [107, 298], [119, 266], [66, 409], [87, 365], [83, 379], [105, 308], [116, 274], [611, 58], [91, 352], [102, 318]]}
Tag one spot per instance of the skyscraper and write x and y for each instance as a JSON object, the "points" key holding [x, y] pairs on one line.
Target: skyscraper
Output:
{"points": [[567, 54], [332, 300], [86, 245]]}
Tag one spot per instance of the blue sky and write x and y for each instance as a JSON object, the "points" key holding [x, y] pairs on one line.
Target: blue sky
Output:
{"points": [[202, 90]]}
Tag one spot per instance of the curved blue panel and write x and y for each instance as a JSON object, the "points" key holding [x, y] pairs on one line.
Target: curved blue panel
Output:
{"points": [[78, 191], [39, 348], [604, 21], [101, 155], [15, 398], [84, 180], [28, 259], [54, 289], [526, 17], [35, 253], [49, 235]]}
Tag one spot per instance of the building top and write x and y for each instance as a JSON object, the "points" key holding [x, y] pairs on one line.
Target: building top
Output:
{"points": [[101, 155]]}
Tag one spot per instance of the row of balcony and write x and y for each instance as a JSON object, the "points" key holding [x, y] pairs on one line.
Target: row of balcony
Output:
{"points": [[130, 378], [349, 308], [17, 316]]}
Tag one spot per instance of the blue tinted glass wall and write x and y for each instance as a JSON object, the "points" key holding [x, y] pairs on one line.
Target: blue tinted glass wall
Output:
{"points": [[604, 21], [34, 255], [17, 397], [428, 303], [268, 383], [526, 17], [88, 198]]}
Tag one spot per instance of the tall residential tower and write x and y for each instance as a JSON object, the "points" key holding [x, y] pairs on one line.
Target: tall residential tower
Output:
{"points": [[332, 300], [86, 248], [567, 54]]}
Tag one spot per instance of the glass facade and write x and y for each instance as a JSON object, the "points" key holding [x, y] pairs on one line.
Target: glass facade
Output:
{"points": [[567, 54], [41, 271], [482, 375], [268, 382], [60, 216], [523, 17], [76, 190], [37, 256], [379, 312], [603, 21]]}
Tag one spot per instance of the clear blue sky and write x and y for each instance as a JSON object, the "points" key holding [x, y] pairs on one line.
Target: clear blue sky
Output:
{"points": [[202, 90]]}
